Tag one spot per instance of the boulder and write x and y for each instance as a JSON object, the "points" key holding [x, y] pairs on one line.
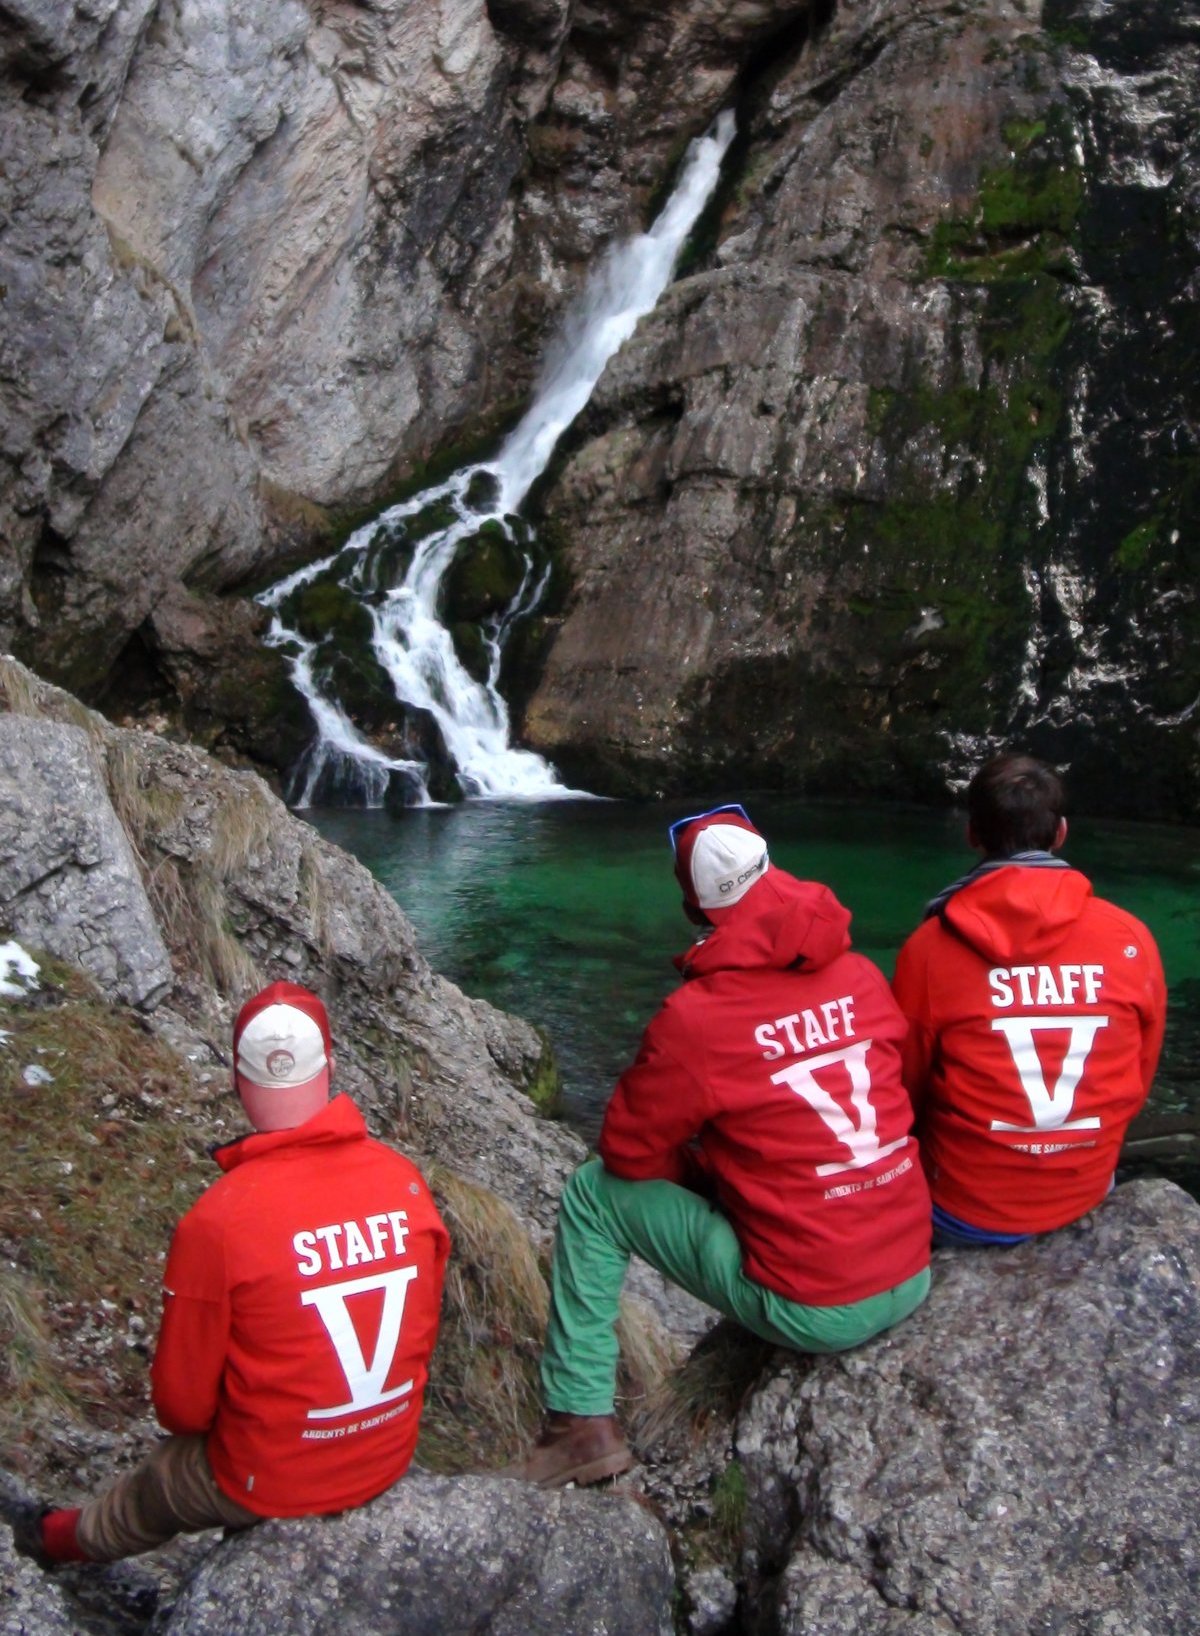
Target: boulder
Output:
{"points": [[1021, 1455], [30, 1604], [69, 882], [442, 1556]]}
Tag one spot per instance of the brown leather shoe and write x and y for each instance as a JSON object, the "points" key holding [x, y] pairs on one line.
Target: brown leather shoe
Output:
{"points": [[574, 1448]]}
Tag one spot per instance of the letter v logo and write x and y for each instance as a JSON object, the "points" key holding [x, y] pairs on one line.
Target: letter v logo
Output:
{"points": [[364, 1379], [1050, 1109]]}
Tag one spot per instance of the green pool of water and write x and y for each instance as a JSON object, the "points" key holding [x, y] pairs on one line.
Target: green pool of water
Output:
{"points": [[568, 913]]}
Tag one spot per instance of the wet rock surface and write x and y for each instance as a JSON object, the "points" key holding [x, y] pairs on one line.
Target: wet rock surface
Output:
{"points": [[904, 466], [257, 264], [907, 466]]}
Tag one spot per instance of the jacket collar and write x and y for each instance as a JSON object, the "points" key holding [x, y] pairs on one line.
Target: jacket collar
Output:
{"points": [[338, 1121], [781, 922], [1027, 860]]}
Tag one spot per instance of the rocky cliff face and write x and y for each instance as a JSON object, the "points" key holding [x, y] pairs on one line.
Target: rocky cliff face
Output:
{"points": [[905, 465], [255, 263], [181, 886], [910, 466]]}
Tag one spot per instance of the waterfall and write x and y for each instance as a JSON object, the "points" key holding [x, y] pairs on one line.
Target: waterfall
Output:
{"points": [[387, 584]]}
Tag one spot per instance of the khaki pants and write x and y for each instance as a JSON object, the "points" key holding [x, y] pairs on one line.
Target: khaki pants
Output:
{"points": [[172, 1492]]}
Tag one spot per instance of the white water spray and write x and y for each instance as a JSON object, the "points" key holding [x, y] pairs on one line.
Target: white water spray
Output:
{"points": [[408, 639]]}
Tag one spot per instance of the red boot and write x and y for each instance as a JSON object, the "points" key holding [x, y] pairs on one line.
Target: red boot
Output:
{"points": [[48, 1537]]}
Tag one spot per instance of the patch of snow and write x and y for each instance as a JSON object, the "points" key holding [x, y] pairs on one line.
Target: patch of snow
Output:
{"points": [[18, 971]]}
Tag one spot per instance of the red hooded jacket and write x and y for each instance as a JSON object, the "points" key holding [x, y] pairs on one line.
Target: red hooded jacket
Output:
{"points": [[1036, 1016], [779, 1054], [301, 1306]]}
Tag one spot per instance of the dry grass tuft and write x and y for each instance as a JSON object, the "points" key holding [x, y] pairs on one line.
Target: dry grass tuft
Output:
{"points": [[648, 1357], [482, 1403], [22, 693], [94, 1178], [190, 894], [144, 808], [712, 1384], [243, 823], [33, 1391], [484, 1400]]}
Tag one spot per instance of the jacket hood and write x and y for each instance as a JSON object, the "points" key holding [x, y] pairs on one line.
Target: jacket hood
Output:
{"points": [[338, 1121], [781, 922], [1017, 912]]}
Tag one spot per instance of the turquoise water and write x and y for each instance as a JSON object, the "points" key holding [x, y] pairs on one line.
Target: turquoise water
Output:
{"points": [[568, 913]]}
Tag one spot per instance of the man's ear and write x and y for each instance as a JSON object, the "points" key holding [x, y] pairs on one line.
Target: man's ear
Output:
{"points": [[1060, 835]]}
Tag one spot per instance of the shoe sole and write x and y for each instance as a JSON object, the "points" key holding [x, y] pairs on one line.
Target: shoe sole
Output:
{"points": [[592, 1471]]}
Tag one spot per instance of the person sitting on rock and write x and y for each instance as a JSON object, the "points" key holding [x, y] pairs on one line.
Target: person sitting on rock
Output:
{"points": [[757, 1152], [301, 1302], [1036, 1015]]}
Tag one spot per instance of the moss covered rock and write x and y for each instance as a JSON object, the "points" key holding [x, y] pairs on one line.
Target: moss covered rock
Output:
{"points": [[485, 575], [324, 610]]}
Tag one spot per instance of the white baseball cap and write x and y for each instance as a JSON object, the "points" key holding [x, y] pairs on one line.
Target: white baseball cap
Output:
{"points": [[719, 856], [282, 1050]]}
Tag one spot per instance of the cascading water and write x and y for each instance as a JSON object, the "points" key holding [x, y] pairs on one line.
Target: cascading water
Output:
{"points": [[386, 589]]}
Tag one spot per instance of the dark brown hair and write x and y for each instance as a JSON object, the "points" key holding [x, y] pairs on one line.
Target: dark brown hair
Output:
{"points": [[1014, 804]]}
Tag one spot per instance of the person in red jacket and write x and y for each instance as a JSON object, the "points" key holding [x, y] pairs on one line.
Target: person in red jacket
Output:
{"points": [[757, 1152], [1036, 1015], [300, 1308]]}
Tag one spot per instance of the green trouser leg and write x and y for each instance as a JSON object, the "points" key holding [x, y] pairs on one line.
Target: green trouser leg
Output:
{"points": [[603, 1220]]}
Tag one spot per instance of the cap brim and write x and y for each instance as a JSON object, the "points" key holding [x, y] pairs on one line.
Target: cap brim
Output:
{"points": [[319, 1080]]}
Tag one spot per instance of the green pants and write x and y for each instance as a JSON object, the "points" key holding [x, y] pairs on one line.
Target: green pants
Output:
{"points": [[603, 1220]]}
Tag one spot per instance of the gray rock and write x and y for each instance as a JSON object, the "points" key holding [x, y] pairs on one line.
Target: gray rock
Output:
{"points": [[69, 882], [244, 893], [240, 244], [30, 1603], [712, 1601], [885, 481], [1019, 1456], [442, 1557]]}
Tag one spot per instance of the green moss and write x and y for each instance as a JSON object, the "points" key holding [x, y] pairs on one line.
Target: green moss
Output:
{"points": [[1026, 212], [431, 519], [483, 577], [544, 1086], [387, 558], [1135, 549], [730, 1497], [1042, 198], [471, 649], [926, 603], [359, 682], [1023, 133], [1068, 33], [879, 403], [323, 609]]}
